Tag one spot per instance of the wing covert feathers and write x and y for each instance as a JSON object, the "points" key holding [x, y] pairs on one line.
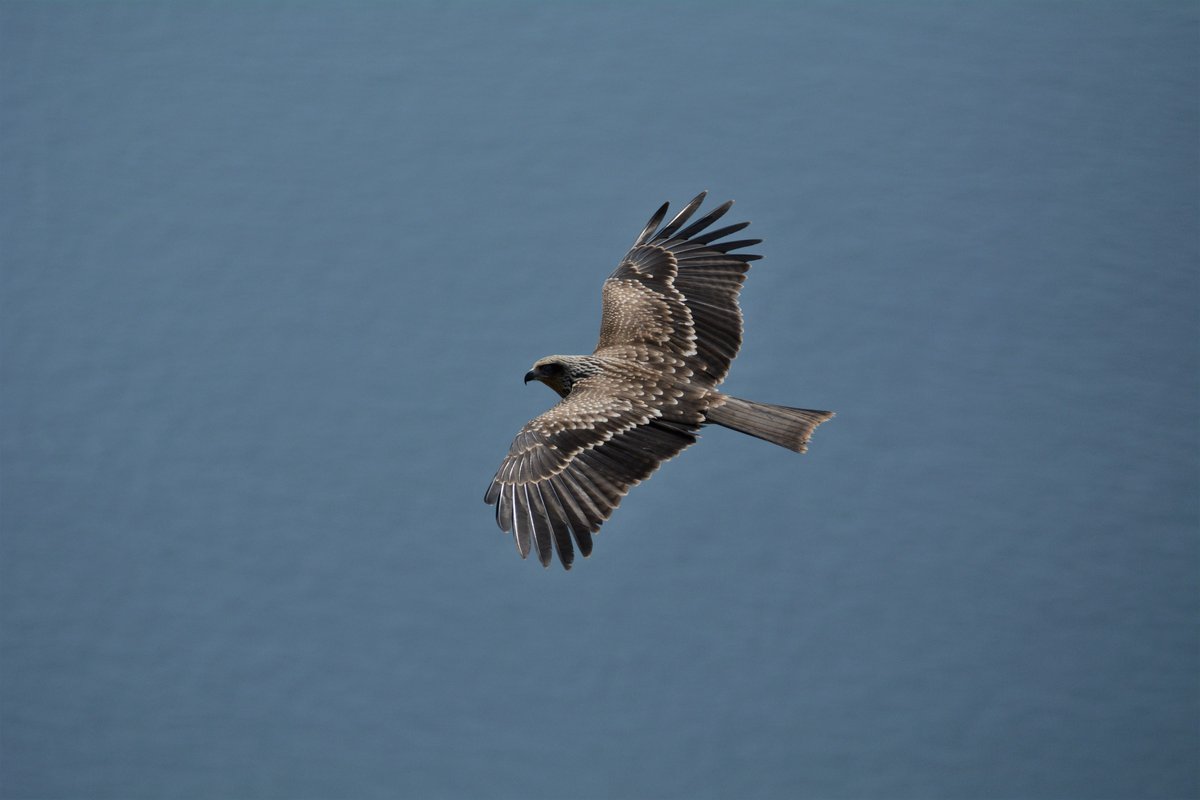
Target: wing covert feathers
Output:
{"points": [[559, 484], [676, 291]]}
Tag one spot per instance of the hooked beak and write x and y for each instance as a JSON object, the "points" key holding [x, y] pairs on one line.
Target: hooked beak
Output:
{"points": [[530, 376]]}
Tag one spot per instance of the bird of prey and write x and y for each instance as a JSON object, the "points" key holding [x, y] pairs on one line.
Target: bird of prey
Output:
{"points": [[670, 326]]}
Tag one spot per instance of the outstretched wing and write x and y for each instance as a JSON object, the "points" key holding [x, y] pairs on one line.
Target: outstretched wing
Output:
{"points": [[677, 290], [569, 468]]}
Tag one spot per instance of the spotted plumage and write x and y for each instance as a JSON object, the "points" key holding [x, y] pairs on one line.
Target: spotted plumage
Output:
{"points": [[670, 327]]}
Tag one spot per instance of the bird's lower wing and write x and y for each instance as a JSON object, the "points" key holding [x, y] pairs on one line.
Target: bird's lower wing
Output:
{"points": [[548, 507]]}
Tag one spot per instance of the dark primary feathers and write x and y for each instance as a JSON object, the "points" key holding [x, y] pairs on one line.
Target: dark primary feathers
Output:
{"points": [[670, 327]]}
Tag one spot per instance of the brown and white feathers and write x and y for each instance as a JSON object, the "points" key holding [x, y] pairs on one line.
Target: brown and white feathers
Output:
{"points": [[670, 328]]}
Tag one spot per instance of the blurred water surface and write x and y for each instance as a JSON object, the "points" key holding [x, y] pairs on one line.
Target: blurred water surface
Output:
{"points": [[271, 275]]}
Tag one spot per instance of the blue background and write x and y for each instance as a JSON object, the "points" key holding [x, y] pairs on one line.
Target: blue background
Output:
{"points": [[271, 277]]}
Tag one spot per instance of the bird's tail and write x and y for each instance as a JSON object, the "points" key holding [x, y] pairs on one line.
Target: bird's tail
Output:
{"points": [[781, 425]]}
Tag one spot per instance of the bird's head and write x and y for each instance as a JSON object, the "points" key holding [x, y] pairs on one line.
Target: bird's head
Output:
{"points": [[560, 372]]}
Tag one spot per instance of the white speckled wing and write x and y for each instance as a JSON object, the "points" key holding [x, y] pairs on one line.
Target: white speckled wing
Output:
{"points": [[677, 291], [569, 468]]}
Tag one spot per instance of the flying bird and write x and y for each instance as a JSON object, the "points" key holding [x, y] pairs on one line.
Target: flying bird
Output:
{"points": [[670, 327]]}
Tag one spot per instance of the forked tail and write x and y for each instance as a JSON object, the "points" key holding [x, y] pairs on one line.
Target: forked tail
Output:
{"points": [[781, 425]]}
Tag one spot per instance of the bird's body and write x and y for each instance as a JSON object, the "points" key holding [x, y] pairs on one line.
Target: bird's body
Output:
{"points": [[670, 327]]}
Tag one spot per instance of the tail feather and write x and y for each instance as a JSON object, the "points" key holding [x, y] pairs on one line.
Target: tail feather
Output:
{"points": [[781, 425]]}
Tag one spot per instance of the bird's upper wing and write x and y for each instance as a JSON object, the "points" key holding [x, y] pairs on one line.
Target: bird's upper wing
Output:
{"points": [[569, 468], [677, 289]]}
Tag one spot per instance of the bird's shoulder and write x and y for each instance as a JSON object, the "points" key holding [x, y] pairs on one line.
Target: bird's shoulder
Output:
{"points": [[621, 393]]}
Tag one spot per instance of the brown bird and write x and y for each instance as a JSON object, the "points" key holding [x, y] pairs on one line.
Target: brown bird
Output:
{"points": [[670, 327]]}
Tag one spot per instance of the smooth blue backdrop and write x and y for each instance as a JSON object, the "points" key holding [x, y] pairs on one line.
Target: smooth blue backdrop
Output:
{"points": [[271, 275]]}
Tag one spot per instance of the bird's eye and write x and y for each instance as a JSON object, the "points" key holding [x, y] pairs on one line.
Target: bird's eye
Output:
{"points": [[553, 368]]}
